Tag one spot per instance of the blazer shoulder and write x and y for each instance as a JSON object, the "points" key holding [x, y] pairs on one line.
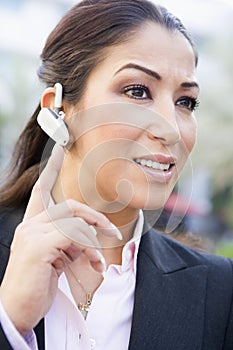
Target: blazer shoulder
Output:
{"points": [[198, 257], [167, 249]]}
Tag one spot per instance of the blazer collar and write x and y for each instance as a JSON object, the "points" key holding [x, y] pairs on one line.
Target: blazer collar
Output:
{"points": [[161, 252]]}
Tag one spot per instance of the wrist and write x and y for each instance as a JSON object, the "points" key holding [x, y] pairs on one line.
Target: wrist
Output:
{"points": [[11, 312]]}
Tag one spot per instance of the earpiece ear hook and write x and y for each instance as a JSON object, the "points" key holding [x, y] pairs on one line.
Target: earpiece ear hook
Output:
{"points": [[58, 98]]}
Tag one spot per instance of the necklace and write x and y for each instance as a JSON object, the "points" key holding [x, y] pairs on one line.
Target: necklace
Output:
{"points": [[83, 307]]}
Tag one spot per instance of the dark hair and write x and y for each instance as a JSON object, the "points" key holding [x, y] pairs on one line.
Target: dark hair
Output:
{"points": [[75, 46]]}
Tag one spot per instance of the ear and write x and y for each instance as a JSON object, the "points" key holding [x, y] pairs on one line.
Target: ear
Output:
{"points": [[47, 98]]}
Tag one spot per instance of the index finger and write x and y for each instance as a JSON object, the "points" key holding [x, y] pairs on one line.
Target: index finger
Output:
{"points": [[41, 191]]}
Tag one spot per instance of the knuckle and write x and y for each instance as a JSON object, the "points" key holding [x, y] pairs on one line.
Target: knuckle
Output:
{"points": [[71, 202], [20, 229], [22, 236], [48, 215], [73, 206]]}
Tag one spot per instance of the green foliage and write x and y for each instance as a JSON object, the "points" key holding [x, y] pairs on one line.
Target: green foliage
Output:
{"points": [[225, 249], [223, 204]]}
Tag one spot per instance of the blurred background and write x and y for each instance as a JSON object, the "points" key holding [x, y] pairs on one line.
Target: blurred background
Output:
{"points": [[204, 197]]}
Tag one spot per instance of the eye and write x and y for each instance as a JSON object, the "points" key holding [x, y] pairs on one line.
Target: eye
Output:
{"points": [[138, 92], [187, 102]]}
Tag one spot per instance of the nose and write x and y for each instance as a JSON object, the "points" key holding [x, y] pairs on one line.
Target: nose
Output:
{"points": [[163, 123]]}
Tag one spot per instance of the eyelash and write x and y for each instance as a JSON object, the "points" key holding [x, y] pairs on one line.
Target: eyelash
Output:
{"points": [[189, 102], [138, 87], [192, 105]]}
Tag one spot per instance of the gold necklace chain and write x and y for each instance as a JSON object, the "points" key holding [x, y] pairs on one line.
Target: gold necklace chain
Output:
{"points": [[83, 307]]}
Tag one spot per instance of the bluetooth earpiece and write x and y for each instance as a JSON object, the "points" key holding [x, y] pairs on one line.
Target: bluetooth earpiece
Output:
{"points": [[52, 121]]}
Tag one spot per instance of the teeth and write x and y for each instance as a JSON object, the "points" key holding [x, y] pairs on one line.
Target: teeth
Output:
{"points": [[154, 165]]}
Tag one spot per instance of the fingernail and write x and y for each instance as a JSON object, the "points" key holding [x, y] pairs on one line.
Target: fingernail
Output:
{"points": [[102, 260], [93, 230], [103, 274], [118, 233]]}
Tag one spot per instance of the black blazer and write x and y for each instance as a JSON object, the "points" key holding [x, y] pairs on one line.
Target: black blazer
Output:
{"points": [[183, 298]]}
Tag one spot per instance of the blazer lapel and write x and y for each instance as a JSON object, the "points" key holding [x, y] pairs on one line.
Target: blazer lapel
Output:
{"points": [[169, 298], [39, 331]]}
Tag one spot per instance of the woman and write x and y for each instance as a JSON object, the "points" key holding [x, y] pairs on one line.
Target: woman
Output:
{"points": [[85, 270]]}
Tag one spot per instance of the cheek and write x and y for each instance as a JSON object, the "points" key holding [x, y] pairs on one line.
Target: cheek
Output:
{"points": [[188, 133], [106, 142]]}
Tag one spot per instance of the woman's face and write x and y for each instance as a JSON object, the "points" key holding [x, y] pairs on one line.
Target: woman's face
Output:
{"points": [[137, 125]]}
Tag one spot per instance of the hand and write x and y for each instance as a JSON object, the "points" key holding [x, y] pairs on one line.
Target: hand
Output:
{"points": [[44, 243]]}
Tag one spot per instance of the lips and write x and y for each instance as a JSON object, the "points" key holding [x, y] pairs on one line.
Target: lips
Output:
{"points": [[154, 165], [156, 162], [157, 168]]}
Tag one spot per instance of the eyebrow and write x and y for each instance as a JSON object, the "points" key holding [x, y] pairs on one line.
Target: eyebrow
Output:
{"points": [[190, 84], [155, 75], [149, 72]]}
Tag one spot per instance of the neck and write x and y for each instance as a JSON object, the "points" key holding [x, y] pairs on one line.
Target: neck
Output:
{"points": [[124, 219]]}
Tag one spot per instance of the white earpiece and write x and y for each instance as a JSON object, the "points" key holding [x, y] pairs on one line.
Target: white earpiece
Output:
{"points": [[51, 121]]}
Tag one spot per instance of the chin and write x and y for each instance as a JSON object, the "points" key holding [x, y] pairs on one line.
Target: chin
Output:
{"points": [[153, 200], [134, 195], [148, 205]]}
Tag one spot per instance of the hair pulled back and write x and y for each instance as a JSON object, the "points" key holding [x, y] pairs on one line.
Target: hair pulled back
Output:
{"points": [[75, 46]]}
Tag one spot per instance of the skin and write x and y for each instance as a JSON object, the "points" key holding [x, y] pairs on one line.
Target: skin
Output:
{"points": [[163, 53], [58, 238]]}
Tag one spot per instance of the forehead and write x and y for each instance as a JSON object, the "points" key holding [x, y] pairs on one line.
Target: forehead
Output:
{"points": [[157, 47]]}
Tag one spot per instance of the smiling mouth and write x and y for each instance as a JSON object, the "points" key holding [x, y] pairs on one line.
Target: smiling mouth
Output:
{"points": [[154, 165]]}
